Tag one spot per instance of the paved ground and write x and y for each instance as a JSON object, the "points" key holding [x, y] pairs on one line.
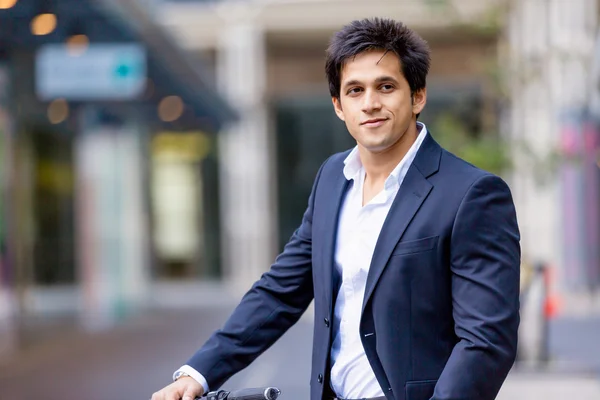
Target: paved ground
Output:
{"points": [[576, 341], [550, 386], [135, 359]]}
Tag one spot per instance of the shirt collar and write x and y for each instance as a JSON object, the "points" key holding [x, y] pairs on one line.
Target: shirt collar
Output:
{"points": [[353, 166]]}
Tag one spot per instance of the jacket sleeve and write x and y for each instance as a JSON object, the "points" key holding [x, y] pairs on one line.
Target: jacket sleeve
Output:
{"points": [[485, 266], [273, 304]]}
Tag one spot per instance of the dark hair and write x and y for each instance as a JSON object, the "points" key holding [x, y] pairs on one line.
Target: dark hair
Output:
{"points": [[378, 34]]}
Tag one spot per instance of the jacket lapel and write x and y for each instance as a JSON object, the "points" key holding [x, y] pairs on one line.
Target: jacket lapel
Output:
{"points": [[412, 193], [339, 184]]}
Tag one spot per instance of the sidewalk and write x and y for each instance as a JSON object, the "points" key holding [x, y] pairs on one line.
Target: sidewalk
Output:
{"points": [[575, 342], [550, 386], [138, 357]]}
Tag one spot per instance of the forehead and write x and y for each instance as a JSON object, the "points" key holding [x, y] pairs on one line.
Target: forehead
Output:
{"points": [[370, 65]]}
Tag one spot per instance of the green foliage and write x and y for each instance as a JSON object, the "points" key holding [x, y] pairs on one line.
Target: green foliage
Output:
{"points": [[485, 150], [488, 149]]}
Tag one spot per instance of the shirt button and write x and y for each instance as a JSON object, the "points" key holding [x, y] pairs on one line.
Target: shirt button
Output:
{"points": [[320, 378], [326, 322]]}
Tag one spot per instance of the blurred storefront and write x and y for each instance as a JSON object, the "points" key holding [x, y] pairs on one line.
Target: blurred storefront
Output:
{"points": [[554, 115], [6, 300], [501, 69], [109, 164], [268, 58]]}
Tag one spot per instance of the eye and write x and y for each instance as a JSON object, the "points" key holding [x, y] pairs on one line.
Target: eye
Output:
{"points": [[387, 87], [354, 90]]}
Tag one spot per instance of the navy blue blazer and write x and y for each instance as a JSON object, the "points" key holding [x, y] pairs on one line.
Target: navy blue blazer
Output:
{"points": [[441, 307]]}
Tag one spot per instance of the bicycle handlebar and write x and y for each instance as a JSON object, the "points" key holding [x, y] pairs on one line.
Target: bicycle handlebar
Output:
{"points": [[265, 393]]}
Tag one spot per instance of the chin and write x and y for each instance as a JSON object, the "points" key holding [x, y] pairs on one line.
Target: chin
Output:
{"points": [[368, 141], [376, 147], [376, 143]]}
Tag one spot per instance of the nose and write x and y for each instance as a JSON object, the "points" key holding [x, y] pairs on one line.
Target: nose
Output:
{"points": [[371, 101]]}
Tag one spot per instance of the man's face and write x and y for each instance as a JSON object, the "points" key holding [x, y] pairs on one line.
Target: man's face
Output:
{"points": [[375, 101]]}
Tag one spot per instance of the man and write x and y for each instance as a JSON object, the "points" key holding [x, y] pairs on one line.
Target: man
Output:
{"points": [[410, 254]]}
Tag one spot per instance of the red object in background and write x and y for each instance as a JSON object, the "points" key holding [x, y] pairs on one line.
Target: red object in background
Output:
{"points": [[552, 303]]}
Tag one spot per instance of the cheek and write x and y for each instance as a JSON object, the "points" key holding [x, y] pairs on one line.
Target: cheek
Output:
{"points": [[355, 120], [351, 117], [402, 109]]}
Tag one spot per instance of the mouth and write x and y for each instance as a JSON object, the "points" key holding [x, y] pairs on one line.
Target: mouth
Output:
{"points": [[374, 122]]}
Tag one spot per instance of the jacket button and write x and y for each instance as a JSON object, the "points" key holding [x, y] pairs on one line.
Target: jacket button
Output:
{"points": [[320, 378], [326, 322]]}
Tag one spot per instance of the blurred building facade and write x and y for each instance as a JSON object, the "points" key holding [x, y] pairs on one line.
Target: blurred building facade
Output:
{"points": [[554, 51], [268, 59], [106, 131], [110, 196], [523, 70]]}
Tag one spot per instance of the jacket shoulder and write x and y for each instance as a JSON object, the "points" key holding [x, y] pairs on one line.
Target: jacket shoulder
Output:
{"points": [[334, 164], [457, 166]]}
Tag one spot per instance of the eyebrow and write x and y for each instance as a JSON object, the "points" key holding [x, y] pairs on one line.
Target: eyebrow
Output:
{"points": [[380, 79]]}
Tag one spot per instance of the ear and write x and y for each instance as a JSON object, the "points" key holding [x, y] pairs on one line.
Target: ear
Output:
{"points": [[419, 100], [337, 106]]}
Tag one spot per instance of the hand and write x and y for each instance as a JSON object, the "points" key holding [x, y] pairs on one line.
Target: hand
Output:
{"points": [[184, 388]]}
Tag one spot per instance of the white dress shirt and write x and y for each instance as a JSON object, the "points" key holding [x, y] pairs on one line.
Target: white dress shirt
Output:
{"points": [[358, 231]]}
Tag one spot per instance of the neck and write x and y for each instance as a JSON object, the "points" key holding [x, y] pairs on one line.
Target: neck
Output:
{"points": [[379, 165]]}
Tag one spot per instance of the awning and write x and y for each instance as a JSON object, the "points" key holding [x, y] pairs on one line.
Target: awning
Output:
{"points": [[170, 69], [186, 74]]}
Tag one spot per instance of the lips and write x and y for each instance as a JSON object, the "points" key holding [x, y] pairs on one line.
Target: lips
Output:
{"points": [[374, 122]]}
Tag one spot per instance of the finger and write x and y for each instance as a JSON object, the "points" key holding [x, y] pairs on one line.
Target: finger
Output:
{"points": [[172, 395], [157, 396], [189, 394]]}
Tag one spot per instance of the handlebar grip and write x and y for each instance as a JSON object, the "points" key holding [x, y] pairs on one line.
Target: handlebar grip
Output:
{"points": [[268, 393], [264, 393]]}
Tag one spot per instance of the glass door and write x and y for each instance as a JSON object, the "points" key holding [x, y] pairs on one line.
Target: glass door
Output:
{"points": [[308, 132]]}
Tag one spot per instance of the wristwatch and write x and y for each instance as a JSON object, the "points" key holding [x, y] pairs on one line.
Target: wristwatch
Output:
{"points": [[179, 374]]}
